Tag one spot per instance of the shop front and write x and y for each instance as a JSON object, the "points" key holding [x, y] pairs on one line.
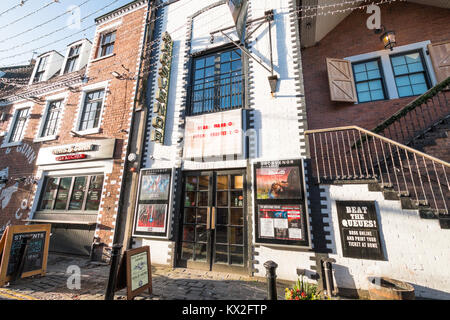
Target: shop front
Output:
{"points": [[70, 193]]}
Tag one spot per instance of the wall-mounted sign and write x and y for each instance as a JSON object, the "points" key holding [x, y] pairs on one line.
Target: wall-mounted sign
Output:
{"points": [[359, 230], [162, 91], [152, 208], [94, 150], [281, 215], [215, 134]]}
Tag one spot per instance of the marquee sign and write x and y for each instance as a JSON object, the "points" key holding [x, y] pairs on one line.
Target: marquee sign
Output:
{"points": [[162, 92], [214, 134]]}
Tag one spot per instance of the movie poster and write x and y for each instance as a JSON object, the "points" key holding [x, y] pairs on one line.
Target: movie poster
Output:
{"points": [[155, 187], [281, 222], [278, 183], [151, 218]]}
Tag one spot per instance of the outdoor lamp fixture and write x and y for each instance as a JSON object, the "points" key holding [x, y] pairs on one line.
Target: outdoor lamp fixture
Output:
{"points": [[273, 81], [116, 75], [388, 38]]}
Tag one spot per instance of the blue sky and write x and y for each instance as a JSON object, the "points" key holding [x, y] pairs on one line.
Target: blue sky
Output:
{"points": [[39, 26]]}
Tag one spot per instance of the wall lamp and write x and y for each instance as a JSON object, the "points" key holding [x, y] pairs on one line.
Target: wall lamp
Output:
{"points": [[387, 37]]}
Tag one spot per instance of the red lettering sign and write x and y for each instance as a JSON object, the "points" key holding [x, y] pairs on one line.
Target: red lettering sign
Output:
{"points": [[71, 157]]}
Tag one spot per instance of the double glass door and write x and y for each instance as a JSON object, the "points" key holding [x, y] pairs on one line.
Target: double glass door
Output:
{"points": [[213, 228]]}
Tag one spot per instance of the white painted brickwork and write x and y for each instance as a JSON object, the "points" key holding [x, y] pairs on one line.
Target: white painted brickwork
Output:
{"points": [[417, 250]]}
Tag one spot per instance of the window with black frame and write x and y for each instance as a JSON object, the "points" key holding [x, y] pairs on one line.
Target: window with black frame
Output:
{"points": [[51, 119], [217, 82], [72, 59], [369, 81], [410, 74], [76, 193], [90, 116], [107, 42], [19, 125]]}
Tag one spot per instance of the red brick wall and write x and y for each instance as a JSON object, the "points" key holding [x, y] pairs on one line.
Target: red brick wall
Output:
{"points": [[115, 123], [411, 23]]}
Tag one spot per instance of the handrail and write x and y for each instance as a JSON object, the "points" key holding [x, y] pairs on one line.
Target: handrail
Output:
{"points": [[412, 105], [387, 140]]}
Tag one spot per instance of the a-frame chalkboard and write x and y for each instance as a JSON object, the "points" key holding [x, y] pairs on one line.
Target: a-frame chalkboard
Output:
{"points": [[34, 257]]}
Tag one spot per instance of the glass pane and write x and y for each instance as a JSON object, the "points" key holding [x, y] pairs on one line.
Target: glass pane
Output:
{"points": [[202, 215], [221, 234], [79, 188], [236, 235], [222, 182], [189, 215], [372, 65], [405, 91], [200, 251], [191, 183], [187, 250], [359, 68], [415, 67], [362, 76], [94, 193], [236, 65], [204, 182], [237, 199], [377, 95], [412, 58], [189, 200], [199, 63], [399, 70], [398, 60], [188, 233], [221, 254], [402, 81], [361, 87], [237, 255], [200, 233], [374, 74], [364, 97], [203, 199], [237, 182], [222, 216], [222, 199], [225, 56], [63, 193], [235, 55], [225, 68], [209, 61], [237, 217], [199, 74], [49, 194], [375, 85], [419, 88], [417, 78]]}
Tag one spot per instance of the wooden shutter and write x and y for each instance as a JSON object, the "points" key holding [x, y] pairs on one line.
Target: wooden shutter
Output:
{"points": [[440, 56], [340, 78]]}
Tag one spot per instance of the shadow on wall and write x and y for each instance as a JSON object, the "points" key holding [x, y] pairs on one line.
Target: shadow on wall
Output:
{"points": [[429, 293], [344, 279]]}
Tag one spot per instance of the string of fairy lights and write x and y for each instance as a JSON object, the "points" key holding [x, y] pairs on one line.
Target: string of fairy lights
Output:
{"points": [[300, 10]]}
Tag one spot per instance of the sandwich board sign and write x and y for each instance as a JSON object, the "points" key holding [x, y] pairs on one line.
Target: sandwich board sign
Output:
{"points": [[24, 251], [135, 272]]}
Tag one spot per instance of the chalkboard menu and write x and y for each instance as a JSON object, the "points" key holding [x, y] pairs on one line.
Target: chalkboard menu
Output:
{"points": [[34, 257], [34, 254], [281, 210], [359, 230], [152, 208]]}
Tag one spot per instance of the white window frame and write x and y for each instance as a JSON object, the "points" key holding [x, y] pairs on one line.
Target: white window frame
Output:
{"points": [[385, 60], [6, 143], [48, 101], [84, 91]]}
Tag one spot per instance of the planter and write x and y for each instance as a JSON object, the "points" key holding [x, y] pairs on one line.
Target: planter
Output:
{"points": [[384, 288]]}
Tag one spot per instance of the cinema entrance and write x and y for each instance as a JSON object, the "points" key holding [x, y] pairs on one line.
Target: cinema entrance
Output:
{"points": [[213, 222]]}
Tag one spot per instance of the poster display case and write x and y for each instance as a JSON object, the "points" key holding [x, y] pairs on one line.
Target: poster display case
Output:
{"points": [[151, 217], [281, 212]]}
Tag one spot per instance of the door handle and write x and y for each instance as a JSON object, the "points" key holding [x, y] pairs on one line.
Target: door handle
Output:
{"points": [[208, 218], [213, 218]]}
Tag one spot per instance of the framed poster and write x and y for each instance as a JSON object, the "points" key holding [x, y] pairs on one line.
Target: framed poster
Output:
{"points": [[152, 208], [359, 230], [281, 216]]}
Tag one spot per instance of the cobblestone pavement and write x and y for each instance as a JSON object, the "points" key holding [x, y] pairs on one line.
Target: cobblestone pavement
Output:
{"points": [[168, 284]]}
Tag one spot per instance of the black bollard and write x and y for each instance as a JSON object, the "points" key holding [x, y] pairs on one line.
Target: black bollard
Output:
{"points": [[115, 259], [271, 280]]}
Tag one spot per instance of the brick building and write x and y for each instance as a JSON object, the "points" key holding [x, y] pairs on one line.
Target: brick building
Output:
{"points": [[66, 132]]}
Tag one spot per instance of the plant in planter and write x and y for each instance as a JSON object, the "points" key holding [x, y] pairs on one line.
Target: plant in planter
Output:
{"points": [[302, 290]]}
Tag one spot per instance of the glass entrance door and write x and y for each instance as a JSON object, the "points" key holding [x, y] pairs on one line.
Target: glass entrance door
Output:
{"points": [[213, 232]]}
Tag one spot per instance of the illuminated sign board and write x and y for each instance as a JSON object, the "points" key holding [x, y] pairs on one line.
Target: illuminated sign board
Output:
{"points": [[162, 91]]}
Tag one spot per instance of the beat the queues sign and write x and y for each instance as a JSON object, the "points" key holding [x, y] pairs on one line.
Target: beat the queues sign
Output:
{"points": [[359, 230]]}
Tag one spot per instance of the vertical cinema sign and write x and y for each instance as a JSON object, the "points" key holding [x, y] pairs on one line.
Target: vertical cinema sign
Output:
{"points": [[162, 91]]}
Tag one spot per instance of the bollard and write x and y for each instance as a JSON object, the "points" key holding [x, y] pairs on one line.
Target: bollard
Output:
{"points": [[115, 259], [271, 280], [327, 268]]}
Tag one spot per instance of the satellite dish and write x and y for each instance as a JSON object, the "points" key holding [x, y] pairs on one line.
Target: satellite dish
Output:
{"points": [[239, 10]]}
